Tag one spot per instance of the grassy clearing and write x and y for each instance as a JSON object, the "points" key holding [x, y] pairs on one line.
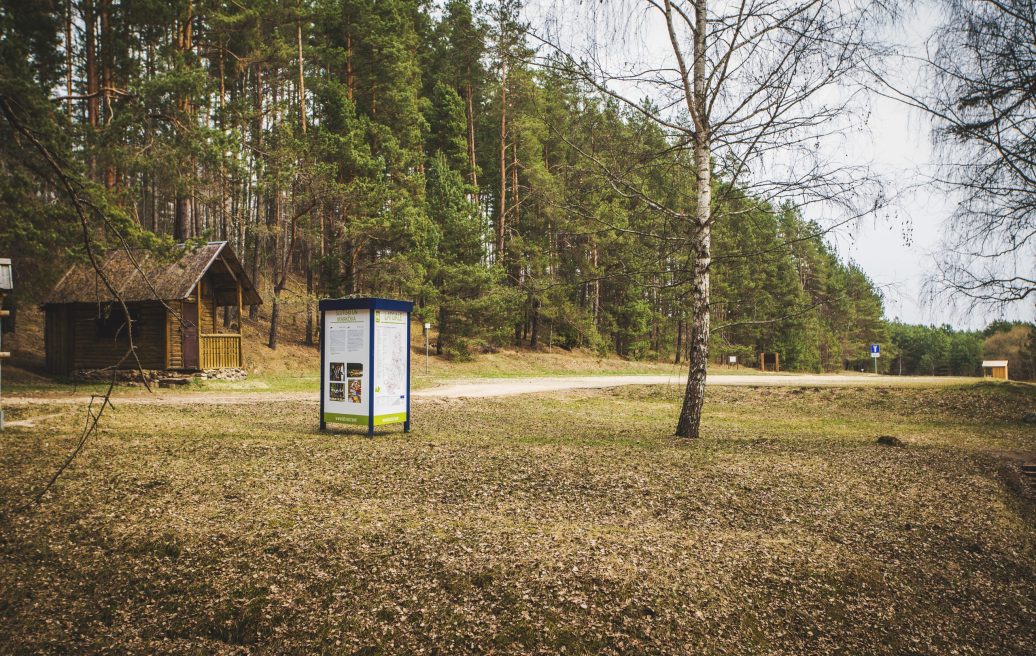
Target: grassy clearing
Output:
{"points": [[518, 364], [264, 377], [502, 364], [533, 524]]}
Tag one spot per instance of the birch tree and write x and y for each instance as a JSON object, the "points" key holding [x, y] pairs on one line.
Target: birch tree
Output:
{"points": [[754, 88]]}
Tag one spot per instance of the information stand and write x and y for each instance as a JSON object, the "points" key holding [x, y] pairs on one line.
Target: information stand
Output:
{"points": [[365, 362]]}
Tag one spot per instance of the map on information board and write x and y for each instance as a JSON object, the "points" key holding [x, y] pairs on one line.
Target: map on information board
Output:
{"points": [[390, 366]]}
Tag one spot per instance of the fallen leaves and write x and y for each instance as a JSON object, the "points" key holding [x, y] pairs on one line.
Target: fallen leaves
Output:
{"points": [[566, 524]]}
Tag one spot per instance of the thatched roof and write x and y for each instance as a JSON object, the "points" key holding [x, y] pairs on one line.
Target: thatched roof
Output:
{"points": [[142, 276]]}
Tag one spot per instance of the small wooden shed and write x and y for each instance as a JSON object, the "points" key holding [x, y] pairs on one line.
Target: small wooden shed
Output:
{"points": [[769, 361], [996, 368], [172, 304]]}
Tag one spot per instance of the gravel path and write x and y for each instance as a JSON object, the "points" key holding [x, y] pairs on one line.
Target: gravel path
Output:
{"points": [[486, 387], [490, 387]]}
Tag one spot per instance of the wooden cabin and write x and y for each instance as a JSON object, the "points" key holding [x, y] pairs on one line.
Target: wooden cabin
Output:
{"points": [[173, 304], [995, 368]]}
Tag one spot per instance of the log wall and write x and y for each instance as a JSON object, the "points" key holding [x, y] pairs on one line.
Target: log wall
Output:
{"points": [[92, 352], [57, 340]]}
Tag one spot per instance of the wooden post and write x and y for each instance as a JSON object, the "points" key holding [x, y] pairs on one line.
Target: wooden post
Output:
{"points": [[197, 319], [240, 326], [5, 354], [168, 348], [776, 362], [762, 361]]}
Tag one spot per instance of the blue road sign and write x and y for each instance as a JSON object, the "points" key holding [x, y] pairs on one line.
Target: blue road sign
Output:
{"points": [[875, 350]]}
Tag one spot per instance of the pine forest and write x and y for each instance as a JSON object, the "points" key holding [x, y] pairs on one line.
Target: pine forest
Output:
{"points": [[395, 148]]}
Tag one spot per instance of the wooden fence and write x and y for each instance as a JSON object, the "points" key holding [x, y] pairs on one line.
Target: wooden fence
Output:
{"points": [[220, 351]]}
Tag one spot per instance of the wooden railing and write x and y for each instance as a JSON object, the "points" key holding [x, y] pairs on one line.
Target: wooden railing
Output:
{"points": [[220, 351]]}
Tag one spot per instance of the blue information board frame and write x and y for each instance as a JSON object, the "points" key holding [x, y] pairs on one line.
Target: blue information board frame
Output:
{"points": [[370, 304]]}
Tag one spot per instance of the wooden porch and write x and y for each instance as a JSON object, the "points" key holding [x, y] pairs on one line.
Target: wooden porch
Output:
{"points": [[219, 351]]}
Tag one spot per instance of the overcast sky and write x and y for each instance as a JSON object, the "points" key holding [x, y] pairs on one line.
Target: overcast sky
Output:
{"points": [[895, 249]]}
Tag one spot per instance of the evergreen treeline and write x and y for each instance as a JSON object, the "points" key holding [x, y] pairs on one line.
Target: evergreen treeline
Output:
{"points": [[943, 351], [398, 148]]}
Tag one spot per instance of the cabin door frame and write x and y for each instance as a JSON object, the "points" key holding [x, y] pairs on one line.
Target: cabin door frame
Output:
{"points": [[190, 333]]}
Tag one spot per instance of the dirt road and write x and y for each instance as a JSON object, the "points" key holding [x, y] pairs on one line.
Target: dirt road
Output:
{"points": [[486, 387], [493, 387]]}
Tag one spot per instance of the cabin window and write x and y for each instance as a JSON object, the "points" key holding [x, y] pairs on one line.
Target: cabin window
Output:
{"points": [[112, 322]]}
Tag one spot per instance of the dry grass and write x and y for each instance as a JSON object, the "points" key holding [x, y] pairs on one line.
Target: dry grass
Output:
{"points": [[569, 523]]}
